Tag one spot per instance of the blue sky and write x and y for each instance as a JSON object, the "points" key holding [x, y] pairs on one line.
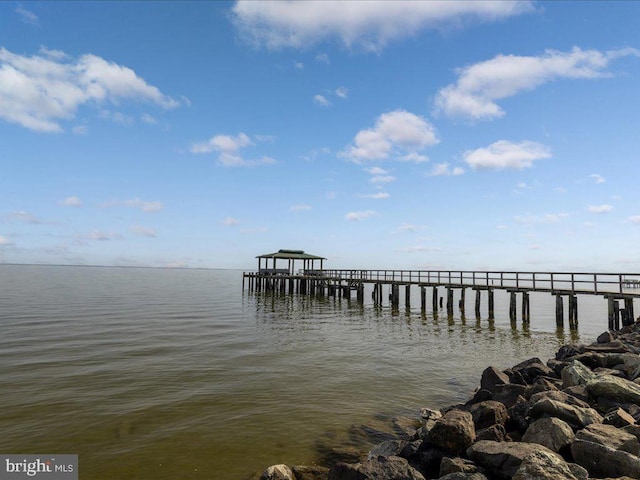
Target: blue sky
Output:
{"points": [[423, 135]]}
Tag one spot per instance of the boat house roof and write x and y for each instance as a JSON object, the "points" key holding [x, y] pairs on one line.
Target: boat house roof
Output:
{"points": [[291, 254]]}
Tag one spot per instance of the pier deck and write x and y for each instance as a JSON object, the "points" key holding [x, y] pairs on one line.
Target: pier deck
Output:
{"points": [[614, 287]]}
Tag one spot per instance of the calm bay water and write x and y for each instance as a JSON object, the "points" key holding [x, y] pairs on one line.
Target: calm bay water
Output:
{"points": [[164, 374]]}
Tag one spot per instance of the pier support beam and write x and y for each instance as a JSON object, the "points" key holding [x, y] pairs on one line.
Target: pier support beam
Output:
{"points": [[478, 303], [526, 312], [461, 302], [407, 296], [395, 295], [628, 310], [559, 311], [491, 304], [449, 301], [435, 299], [512, 306], [423, 299], [573, 311]]}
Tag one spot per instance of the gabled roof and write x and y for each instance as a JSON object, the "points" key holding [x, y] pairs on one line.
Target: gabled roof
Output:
{"points": [[291, 254]]}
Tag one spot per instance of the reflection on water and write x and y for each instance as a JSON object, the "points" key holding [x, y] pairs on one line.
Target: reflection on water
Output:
{"points": [[166, 374]]}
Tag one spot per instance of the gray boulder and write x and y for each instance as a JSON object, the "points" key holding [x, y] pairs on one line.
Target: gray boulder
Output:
{"points": [[575, 374], [546, 466], [457, 465], [453, 432], [577, 417], [564, 397], [488, 413], [616, 388], [551, 432], [277, 472], [463, 476], [380, 468], [602, 461], [492, 377], [502, 459], [610, 436]]}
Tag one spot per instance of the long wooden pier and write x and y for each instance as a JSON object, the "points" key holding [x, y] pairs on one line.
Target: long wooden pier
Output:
{"points": [[619, 289]]}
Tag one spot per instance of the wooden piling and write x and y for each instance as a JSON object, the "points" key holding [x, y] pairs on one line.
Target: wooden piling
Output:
{"points": [[526, 312], [559, 311], [462, 300], [435, 299], [629, 315], [478, 303], [395, 295], [449, 301], [512, 306], [407, 296], [491, 304], [573, 311]]}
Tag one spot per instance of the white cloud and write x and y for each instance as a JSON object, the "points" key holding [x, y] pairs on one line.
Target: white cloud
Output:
{"points": [[414, 157], [342, 92], [100, 236], [230, 221], [398, 133], [605, 208], [377, 171], [4, 241], [300, 208], [144, 205], [443, 169], [481, 85], [144, 231], [420, 248], [117, 117], [24, 217], [27, 16], [80, 130], [365, 25], [547, 218], [148, 119], [321, 100], [505, 154], [228, 148], [357, 216], [597, 178], [72, 202], [298, 65], [38, 92], [408, 227], [323, 58], [634, 219], [377, 196], [383, 179]]}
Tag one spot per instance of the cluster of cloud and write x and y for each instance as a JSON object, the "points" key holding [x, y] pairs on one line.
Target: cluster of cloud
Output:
{"points": [[228, 148], [38, 92], [323, 101], [363, 25], [144, 205], [398, 134], [505, 154], [357, 216], [481, 85]]}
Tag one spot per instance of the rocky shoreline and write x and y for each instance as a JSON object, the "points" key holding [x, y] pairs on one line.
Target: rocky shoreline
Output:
{"points": [[574, 417]]}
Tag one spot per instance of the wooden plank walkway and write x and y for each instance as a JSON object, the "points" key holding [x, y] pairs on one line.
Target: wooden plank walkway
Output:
{"points": [[614, 287]]}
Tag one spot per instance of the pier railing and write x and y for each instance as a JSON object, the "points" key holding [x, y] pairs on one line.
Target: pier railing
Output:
{"points": [[586, 283]]}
